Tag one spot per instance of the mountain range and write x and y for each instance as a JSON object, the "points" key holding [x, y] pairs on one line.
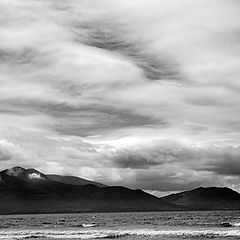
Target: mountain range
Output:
{"points": [[30, 191]]}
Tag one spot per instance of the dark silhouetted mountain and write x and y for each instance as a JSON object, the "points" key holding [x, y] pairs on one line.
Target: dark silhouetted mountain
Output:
{"points": [[29, 191], [22, 174], [210, 198], [73, 180]]}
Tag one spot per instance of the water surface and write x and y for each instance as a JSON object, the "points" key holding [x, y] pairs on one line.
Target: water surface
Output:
{"points": [[161, 225]]}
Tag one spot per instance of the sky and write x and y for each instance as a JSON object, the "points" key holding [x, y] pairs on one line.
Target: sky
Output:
{"points": [[140, 93]]}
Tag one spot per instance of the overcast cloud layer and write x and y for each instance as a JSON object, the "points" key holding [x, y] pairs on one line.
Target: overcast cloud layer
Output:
{"points": [[141, 93]]}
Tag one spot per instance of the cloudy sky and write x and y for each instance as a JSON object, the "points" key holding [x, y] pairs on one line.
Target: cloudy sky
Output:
{"points": [[141, 93]]}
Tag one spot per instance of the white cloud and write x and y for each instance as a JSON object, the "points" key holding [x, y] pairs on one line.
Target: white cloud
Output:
{"points": [[143, 76]]}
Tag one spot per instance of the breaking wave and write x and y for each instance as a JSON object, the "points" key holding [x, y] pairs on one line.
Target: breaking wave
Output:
{"points": [[88, 225], [111, 234], [236, 224], [229, 224]]}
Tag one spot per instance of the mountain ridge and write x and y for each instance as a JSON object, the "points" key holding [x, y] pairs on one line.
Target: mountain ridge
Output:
{"points": [[73, 180], [30, 191], [206, 198]]}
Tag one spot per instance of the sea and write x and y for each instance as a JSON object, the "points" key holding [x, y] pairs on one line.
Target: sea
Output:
{"points": [[125, 226]]}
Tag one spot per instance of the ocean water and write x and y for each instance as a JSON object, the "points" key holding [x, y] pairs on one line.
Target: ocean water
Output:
{"points": [[125, 226]]}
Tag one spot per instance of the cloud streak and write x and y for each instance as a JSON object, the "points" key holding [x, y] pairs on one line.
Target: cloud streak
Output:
{"points": [[146, 89]]}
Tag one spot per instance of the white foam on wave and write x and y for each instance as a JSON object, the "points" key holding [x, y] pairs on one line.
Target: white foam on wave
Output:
{"points": [[88, 225], [229, 224], [236, 224], [104, 233]]}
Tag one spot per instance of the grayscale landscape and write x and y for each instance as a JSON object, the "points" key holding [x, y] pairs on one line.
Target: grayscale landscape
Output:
{"points": [[119, 119]]}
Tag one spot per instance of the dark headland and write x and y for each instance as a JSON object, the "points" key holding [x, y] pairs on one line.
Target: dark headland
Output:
{"points": [[210, 198], [24, 191]]}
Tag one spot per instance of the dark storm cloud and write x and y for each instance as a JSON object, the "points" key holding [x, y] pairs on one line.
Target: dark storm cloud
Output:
{"points": [[5, 155], [157, 179], [169, 166], [84, 119], [135, 161], [168, 182], [24, 56], [225, 163], [108, 37], [231, 168], [158, 155], [154, 156]]}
